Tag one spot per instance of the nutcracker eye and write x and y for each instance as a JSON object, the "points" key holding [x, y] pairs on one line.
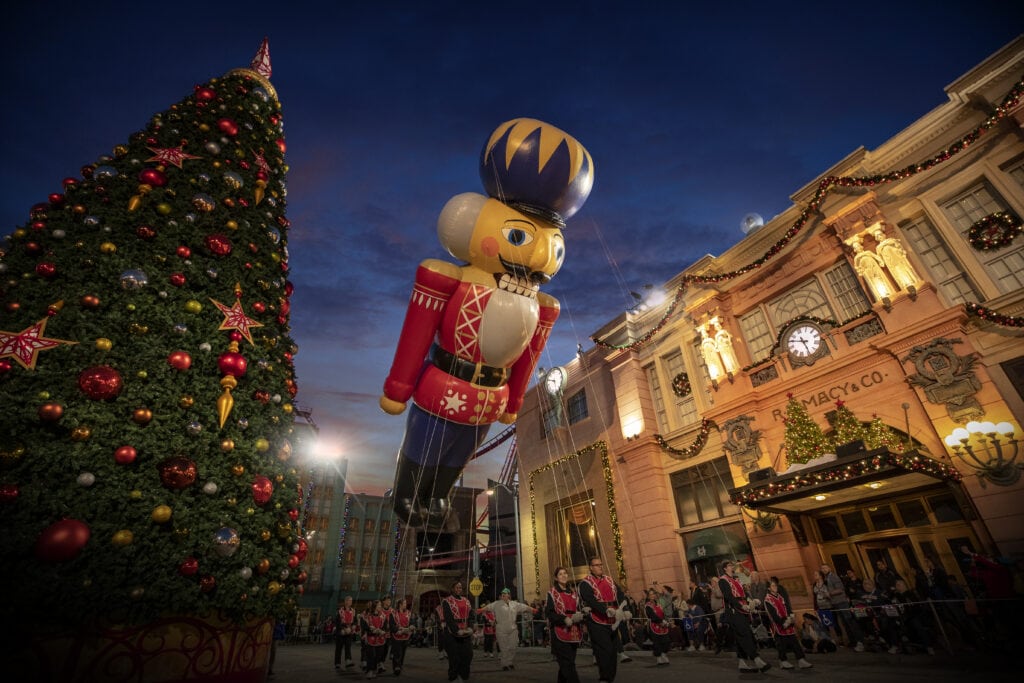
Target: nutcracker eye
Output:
{"points": [[517, 237]]}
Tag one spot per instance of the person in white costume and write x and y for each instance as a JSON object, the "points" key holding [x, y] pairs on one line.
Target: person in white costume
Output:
{"points": [[505, 612]]}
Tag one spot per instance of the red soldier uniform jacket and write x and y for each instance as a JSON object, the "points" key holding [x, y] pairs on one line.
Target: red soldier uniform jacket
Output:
{"points": [[374, 623], [456, 617], [346, 619], [776, 606], [566, 605], [656, 616], [400, 624], [737, 594], [488, 623], [606, 593]]}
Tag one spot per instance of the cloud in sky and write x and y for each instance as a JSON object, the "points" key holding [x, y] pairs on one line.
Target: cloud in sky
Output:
{"points": [[694, 115]]}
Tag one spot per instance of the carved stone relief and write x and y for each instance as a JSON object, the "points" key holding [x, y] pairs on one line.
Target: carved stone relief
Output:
{"points": [[947, 378]]}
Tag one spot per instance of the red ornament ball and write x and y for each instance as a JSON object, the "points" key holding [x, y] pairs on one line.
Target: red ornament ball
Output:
{"points": [[51, 412], [188, 567], [231, 363], [259, 306], [301, 577], [235, 336], [100, 382], [69, 182], [152, 176], [183, 251], [5, 367], [205, 94], [261, 396], [46, 269], [293, 561], [228, 127], [177, 472], [178, 279], [262, 490], [293, 515], [145, 232], [301, 549], [219, 245], [180, 360], [62, 541], [280, 145], [125, 455], [57, 199], [8, 493], [207, 582]]}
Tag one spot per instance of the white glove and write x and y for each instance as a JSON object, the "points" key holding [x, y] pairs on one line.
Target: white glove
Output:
{"points": [[626, 616], [568, 621], [586, 610], [753, 602], [611, 614], [789, 621], [577, 618], [465, 631]]}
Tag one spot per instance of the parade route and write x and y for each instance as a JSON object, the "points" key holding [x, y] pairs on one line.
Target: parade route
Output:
{"points": [[314, 664]]}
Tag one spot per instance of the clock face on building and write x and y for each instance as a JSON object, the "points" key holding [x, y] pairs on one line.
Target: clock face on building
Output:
{"points": [[554, 381], [803, 341]]}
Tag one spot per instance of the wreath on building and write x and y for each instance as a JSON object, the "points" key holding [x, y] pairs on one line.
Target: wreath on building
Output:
{"points": [[681, 385], [994, 231]]}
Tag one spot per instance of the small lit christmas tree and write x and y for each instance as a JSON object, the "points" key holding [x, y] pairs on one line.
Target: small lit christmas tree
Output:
{"points": [[881, 435], [804, 439], [845, 425], [146, 374]]}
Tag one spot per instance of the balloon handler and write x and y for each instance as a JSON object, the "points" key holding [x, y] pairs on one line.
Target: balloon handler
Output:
{"points": [[473, 332]]}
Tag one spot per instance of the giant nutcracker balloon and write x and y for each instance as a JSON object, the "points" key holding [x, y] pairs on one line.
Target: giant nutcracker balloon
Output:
{"points": [[473, 332]]}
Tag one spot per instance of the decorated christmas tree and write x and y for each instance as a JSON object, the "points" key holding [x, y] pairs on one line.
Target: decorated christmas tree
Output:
{"points": [[845, 425], [881, 435], [804, 439], [146, 373]]}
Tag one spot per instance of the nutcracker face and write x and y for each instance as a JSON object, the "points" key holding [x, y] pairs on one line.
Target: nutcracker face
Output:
{"points": [[520, 250]]}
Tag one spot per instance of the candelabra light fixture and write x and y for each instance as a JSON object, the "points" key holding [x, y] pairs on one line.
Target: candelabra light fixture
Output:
{"points": [[989, 449]]}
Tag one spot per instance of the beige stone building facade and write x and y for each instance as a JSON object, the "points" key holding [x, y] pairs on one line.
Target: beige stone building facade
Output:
{"points": [[663, 447]]}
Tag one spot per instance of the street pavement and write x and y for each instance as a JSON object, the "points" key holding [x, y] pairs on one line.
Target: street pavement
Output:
{"points": [[306, 663]]}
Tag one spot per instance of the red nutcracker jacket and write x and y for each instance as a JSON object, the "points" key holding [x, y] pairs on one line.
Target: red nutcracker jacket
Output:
{"points": [[376, 630], [562, 604], [775, 604], [600, 594], [655, 617], [463, 319], [400, 624], [456, 615]]}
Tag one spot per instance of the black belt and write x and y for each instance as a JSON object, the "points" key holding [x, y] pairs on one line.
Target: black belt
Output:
{"points": [[468, 371]]}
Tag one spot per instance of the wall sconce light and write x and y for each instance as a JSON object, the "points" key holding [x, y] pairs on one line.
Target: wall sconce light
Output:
{"points": [[820, 497], [988, 449], [632, 427], [765, 521]]}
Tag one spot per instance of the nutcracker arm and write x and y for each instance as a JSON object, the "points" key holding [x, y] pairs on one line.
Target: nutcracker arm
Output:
{"points": [[436, 281]]}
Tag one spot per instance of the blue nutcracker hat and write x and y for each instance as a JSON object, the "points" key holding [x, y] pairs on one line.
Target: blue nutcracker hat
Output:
{"points": [[537, 168]]}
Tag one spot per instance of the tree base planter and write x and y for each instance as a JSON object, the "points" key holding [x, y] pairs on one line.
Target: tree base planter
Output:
{"points": [[173, 649]]}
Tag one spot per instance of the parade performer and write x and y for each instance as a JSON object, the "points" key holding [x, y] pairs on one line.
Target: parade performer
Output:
{"points": [[401, 630], [605, 598], [783, 625], [505, 612], [565, 613], [387, 611], [489, 632], [458, 633], [473, 332], [376, 637], [346, 627], [737, 614], [657, 627]]}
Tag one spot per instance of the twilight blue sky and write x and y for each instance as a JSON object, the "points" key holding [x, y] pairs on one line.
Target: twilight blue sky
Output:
{"points": [[694, 115]]}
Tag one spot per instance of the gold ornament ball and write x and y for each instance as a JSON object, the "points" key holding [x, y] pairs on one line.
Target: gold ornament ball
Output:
{"points": [[20, 233], [250, 511], [227, 445], [238, 470], [108, 248], [137, 593], [142, 416], [273, 588], [123, 537], [104, 344], [130, 307], [231, 225], [279, 478], [262, 445], [287, 408], [232, 501], [81, 433], [43, 395], [204, 127], [142, 374], [263, 566], [136, 494], [163, 208], [181, 532], [193, 306], [120, 150], [186, 402], [161, 514], [283, 530], [265, 535]]}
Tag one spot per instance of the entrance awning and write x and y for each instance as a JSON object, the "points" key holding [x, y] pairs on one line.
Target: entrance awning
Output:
{"points": [[714, 542], [846, 479]]}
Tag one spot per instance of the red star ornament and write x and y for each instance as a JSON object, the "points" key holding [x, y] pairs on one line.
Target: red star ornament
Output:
{"points": [[170, 155], [236, 319], [25, 346]]}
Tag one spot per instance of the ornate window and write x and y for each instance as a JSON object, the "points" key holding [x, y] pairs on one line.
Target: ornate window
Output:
{"points": [[1005, 266], [578, 540], [702, 492], [943, 268], [846, 291], [576, 407]]}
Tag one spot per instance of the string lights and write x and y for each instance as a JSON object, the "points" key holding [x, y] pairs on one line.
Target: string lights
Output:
{"points": [[825, 187]]}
